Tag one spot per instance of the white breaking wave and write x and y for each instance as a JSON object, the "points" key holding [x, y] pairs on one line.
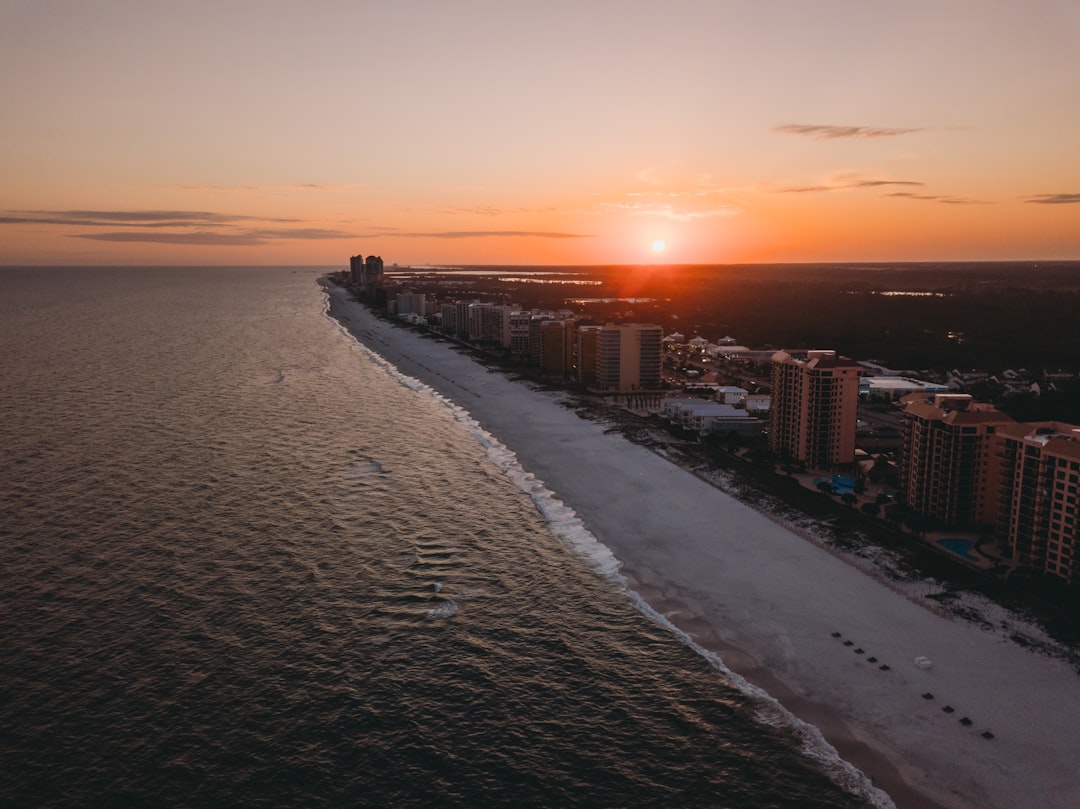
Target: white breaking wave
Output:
{"points": [[445, 610]]}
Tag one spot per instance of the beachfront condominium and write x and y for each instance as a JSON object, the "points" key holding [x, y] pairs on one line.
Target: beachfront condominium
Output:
{"points": [[1038, 495], [815, 399], [620, 358], [366, 274], [556, 347], [946, 472]]}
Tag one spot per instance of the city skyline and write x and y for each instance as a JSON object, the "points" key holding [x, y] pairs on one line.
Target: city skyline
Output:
{"points": [[719, 132]]}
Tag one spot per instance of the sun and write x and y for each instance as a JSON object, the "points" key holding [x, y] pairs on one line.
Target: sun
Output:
{"points": [[658, 246]]}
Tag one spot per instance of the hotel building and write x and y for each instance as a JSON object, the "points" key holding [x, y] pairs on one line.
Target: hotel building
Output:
{"points": [[366, 274], [620, 359], [556, 347], [945, 458], [1039, 495], [815, 400]]}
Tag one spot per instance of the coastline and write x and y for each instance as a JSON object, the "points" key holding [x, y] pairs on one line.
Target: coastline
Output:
{"points": [[778, 610]]}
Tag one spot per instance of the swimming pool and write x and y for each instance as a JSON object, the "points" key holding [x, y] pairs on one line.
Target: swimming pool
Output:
{"points": [[961, 547]]}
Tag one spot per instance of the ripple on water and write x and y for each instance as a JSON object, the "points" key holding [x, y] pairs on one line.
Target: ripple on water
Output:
{"points": [[220, 551]]}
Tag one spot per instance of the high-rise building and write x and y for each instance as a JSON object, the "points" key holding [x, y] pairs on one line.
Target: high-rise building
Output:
{"points": [[356, 269], [366, 274], [556, 347], [621, 358], [945, 458], [587, 342], [814, 408], [516, 332], [1038, 496]]}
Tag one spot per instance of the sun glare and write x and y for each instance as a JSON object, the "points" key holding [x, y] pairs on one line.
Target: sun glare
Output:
{"points": [[658, 246]]}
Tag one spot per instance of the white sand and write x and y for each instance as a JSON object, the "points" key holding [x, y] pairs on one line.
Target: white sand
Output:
{"points": [[769, 602]]}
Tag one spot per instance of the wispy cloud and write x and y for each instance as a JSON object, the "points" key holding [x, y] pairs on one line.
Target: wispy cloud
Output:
{"points": [[669, 210], [255, 236], [495, 210], [136, 219], [831, 132], [195, 238], [492, 234], [846, 182], [286, 187], [947, 200], [1054, 199], [681, 206], [174, 227]]}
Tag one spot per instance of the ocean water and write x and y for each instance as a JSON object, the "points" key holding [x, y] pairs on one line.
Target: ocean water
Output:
{"points": [[243, 564]]}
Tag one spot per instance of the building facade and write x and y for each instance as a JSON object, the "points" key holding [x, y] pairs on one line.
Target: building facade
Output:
{"points": [[814, 408], [946, 472], [622, 358], [557, 348], [1038, 496], [366, 274]]}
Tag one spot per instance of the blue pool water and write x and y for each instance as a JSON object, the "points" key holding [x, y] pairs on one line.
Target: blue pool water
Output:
{"points": [[961, 547]]}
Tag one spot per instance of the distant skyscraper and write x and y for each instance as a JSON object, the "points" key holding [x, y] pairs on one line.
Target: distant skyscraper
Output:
{"points": [[371, 276], [814, 408], [356, 269]]}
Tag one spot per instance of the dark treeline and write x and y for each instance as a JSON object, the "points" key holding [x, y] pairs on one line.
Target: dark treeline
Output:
{"points": [[990, 316]]}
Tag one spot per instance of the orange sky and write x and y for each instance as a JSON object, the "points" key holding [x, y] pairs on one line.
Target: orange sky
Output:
{"points": [[276, 132]]}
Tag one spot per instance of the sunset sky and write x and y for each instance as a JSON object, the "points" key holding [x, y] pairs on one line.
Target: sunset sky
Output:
{"points": [[581, 132]]}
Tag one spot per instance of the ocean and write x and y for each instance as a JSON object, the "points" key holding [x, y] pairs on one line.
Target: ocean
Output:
{"points": [[243, 564]]}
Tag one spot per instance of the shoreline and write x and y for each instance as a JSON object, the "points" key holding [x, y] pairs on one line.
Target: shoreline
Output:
{"points": [[745, 587], [882, 771]]}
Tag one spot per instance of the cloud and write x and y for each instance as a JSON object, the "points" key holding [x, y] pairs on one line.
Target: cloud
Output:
{"points": [[196, 238], [488, 234], [494, 210], [174, 227], [831, 132], [681, 206], [286, 187], [937, 198], [135, 219], [669, 211], [217, 238], [209, 228], [844, 182], [1054, 199], [313, 234]]}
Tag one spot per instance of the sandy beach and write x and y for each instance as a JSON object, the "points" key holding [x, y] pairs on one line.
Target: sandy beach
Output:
{"points": [[987, 724]]}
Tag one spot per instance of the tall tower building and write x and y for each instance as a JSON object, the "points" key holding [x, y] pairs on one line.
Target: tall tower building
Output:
{"points": [[356, 269], [371, 276], [945, 468], [556, 347], [1038, 497], [814, 407], [621, 358]]}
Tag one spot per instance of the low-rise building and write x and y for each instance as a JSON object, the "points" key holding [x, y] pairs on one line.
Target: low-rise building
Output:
{"points": [[892, 388], [710, 417]]}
